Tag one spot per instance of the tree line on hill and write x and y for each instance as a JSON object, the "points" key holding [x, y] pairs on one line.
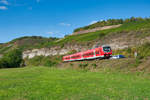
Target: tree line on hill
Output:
{"points": [[111, 22]]}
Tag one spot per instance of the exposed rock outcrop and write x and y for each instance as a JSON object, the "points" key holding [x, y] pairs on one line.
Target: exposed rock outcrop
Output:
{"points": [[51, 51]]}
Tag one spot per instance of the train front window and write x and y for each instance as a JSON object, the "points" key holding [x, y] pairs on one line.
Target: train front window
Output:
{"points": [[106, 49]]}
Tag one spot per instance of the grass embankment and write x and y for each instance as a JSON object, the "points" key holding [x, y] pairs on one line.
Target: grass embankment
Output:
{"points": [[43, 83]]}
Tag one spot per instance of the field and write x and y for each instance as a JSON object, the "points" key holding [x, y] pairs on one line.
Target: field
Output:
{"points": [[44, 83]]}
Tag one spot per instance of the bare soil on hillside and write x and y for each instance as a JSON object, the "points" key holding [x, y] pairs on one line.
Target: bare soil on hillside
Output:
{"points": [[96, 29]]}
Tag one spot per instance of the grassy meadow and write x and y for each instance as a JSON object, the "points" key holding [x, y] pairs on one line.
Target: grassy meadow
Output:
{"points": [[44, 83]]}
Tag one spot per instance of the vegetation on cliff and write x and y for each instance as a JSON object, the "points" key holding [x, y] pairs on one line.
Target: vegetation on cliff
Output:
{"points": [[26, 43], [134, 27], [110, 22]]}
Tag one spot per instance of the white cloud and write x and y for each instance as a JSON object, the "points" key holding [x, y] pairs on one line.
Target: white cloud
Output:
{"points": [[5, 2], [55, 34], [64, 24], [93, 22], [3, 8], [50, 32]]}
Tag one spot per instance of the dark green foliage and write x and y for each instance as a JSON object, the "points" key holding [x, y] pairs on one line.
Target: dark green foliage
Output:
{"points": [[71, 64], [94, 65], [48, 62], [11, 59], [129, 50], [2, 63], [83, 66]]}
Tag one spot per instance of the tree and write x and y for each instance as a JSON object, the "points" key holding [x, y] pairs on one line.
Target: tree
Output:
{"points": [[11, 59]]}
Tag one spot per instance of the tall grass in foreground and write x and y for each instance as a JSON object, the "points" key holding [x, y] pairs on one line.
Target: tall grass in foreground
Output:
{"points": [[42, 83]]}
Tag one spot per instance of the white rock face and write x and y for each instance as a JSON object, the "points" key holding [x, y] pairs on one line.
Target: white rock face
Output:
{"points": [[44, 52], [58, 51]]}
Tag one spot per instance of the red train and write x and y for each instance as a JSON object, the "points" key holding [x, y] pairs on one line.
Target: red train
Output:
{"points": [[100, 52]]}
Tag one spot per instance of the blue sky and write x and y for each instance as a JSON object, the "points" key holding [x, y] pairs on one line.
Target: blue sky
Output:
{"points": [[56, 18]]}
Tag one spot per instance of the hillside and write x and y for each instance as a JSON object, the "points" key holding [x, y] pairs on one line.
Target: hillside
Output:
{"points": [[26, 43], [96, 29], [133, 32], [138, 29]]}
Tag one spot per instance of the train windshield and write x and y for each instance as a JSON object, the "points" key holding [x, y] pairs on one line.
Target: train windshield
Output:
{"points": [[107, 49]]}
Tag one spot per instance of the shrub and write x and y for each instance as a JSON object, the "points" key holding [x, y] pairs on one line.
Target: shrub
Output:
{"points": [[83, 65], [94, 65], [2, 63], [42, 61], [11, 59], [71, 64], [36, 61], [47, 62]]}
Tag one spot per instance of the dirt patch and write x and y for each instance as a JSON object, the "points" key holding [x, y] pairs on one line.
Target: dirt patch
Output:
{"points": [[96, 29]]}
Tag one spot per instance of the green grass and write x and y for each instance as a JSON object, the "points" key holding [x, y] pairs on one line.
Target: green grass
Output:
{"points": [[42, 83]]}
